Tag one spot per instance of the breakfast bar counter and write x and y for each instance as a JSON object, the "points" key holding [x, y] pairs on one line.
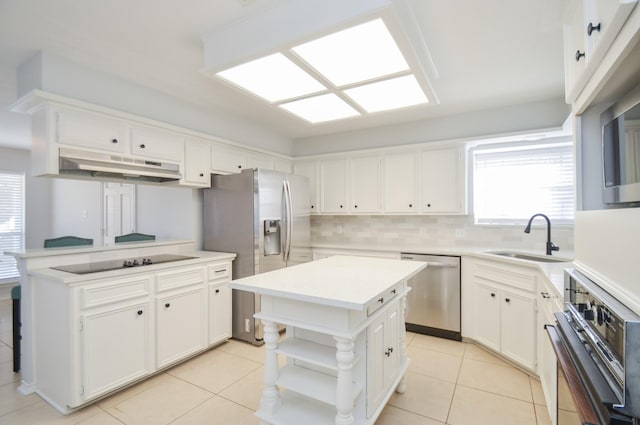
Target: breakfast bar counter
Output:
{"points": [[345, 341]]}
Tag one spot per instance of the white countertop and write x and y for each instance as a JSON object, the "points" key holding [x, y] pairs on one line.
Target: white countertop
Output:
{"points": [[340, 281], [71, 278], [554, 272]]}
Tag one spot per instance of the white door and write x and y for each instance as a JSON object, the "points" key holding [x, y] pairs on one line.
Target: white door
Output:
{"points": [[119, 210]]}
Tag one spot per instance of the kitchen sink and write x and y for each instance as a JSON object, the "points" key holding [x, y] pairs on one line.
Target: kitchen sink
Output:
{"points": [[530, 257]]}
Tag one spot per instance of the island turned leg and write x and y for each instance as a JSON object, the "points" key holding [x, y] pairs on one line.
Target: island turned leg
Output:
{"points": [[344, 393], [270, 401], [402, 385]]}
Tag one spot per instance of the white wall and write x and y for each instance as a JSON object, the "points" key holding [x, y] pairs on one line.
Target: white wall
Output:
{"points": [[56, 75], [76, 209], [38, 196], [478, 124], [607, 246], [170, 213]]}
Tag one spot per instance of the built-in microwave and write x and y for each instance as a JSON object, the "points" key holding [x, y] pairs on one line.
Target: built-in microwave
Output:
{"points": [[621, 150]]}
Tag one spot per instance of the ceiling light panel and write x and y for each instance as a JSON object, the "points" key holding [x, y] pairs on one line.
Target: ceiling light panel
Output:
{"points": [[274, 78], [327, 107], [355, 54], [388, 94]]}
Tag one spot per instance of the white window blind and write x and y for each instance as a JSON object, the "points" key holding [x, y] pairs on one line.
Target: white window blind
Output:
{"points": [[511, 184], [11, 222]]}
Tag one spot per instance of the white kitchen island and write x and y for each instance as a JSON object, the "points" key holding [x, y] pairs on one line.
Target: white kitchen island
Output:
{"points": [[345, 341]]}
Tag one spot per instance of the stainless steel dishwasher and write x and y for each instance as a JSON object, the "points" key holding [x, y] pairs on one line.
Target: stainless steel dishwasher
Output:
{"points": [[433, 304]]}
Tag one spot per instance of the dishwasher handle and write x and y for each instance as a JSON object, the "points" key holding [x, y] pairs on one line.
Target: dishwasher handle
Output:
{"points": [[429, 263], [437, 264]]}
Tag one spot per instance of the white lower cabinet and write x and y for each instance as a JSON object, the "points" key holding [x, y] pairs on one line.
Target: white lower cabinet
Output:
{"points": [[110, 359], [383, 354], [99, 335], [548, 304], [219, 312], [505, 310], [181, 325]]}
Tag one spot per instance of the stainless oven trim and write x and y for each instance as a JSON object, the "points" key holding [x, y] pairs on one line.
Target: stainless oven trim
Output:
{"points": [[581, 400]]}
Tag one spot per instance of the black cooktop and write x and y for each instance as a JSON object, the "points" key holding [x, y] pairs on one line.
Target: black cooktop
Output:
{"points": [[103, 266]]}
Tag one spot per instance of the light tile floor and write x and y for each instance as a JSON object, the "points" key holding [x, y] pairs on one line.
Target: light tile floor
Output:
{"points": [[449, 382]]}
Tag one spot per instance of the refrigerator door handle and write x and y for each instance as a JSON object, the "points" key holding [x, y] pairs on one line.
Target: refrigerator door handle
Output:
{"points": [[288, 221]]}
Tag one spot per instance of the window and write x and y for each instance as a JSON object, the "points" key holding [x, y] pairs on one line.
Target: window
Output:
{"points": [[11, 222], [510, 184]]}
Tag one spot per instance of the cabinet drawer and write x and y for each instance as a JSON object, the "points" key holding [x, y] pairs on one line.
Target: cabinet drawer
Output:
{"points": [[180, 278], [221, 272], [383, 299], [114, 291], [504, 274]]}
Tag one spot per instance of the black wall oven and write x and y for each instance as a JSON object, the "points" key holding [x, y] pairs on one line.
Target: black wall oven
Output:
{"points": [[597, 345]]}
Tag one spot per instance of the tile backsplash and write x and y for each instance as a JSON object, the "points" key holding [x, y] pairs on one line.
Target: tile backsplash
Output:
{"points": [[432, 231]]}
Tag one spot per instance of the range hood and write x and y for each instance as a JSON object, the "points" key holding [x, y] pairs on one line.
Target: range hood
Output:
{"points": [[101, 166]]}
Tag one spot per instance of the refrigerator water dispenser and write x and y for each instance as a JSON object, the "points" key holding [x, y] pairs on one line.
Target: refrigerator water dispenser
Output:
{"points": [[272, 237]]}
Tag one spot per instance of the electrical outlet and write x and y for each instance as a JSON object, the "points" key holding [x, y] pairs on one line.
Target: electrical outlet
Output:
{"points": [[247, 325], [338, 229], [459, 233], [85, 214], [423, 231]]}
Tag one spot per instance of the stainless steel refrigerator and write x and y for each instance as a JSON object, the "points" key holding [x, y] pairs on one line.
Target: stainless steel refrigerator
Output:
{"points": [[262, 216]]}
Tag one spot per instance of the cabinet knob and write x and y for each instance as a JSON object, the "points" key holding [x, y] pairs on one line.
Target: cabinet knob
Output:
{"points": [[239, 166], [340, 206], [355, 206], [579, 55], [114, 140], [201, 174], [313, 206], [393, 291], [410, 205], [217, 291], [388, 352], [545, 294], [167, 305], [507, 299], [493, 295], [381, 300], [591, 28], [428, 205], [140, 312], [142, 146]]}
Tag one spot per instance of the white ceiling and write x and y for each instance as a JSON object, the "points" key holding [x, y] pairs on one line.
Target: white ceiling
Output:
{"points": [[488, 54]]}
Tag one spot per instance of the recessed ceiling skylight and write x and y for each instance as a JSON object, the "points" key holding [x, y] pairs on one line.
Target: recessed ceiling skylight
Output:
{"points": [[388, 94], [355, 54], [326, 107], [348, 73], [273, 78]]}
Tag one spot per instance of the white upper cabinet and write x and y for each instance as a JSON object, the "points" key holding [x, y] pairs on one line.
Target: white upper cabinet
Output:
{"points": [[575, 61], [443, 181], [228, 160], [154, 142], [90, 130], [400, 183], [256, 160], [334, 185], [365, 184], [197, 162], [309, 169], [590, 28]]}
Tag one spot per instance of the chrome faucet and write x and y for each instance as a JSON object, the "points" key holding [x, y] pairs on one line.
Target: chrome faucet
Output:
{"points": [[550, 245]]}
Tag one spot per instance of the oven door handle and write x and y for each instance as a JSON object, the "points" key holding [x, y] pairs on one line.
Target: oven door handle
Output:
{"points": [[582, 402]]}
